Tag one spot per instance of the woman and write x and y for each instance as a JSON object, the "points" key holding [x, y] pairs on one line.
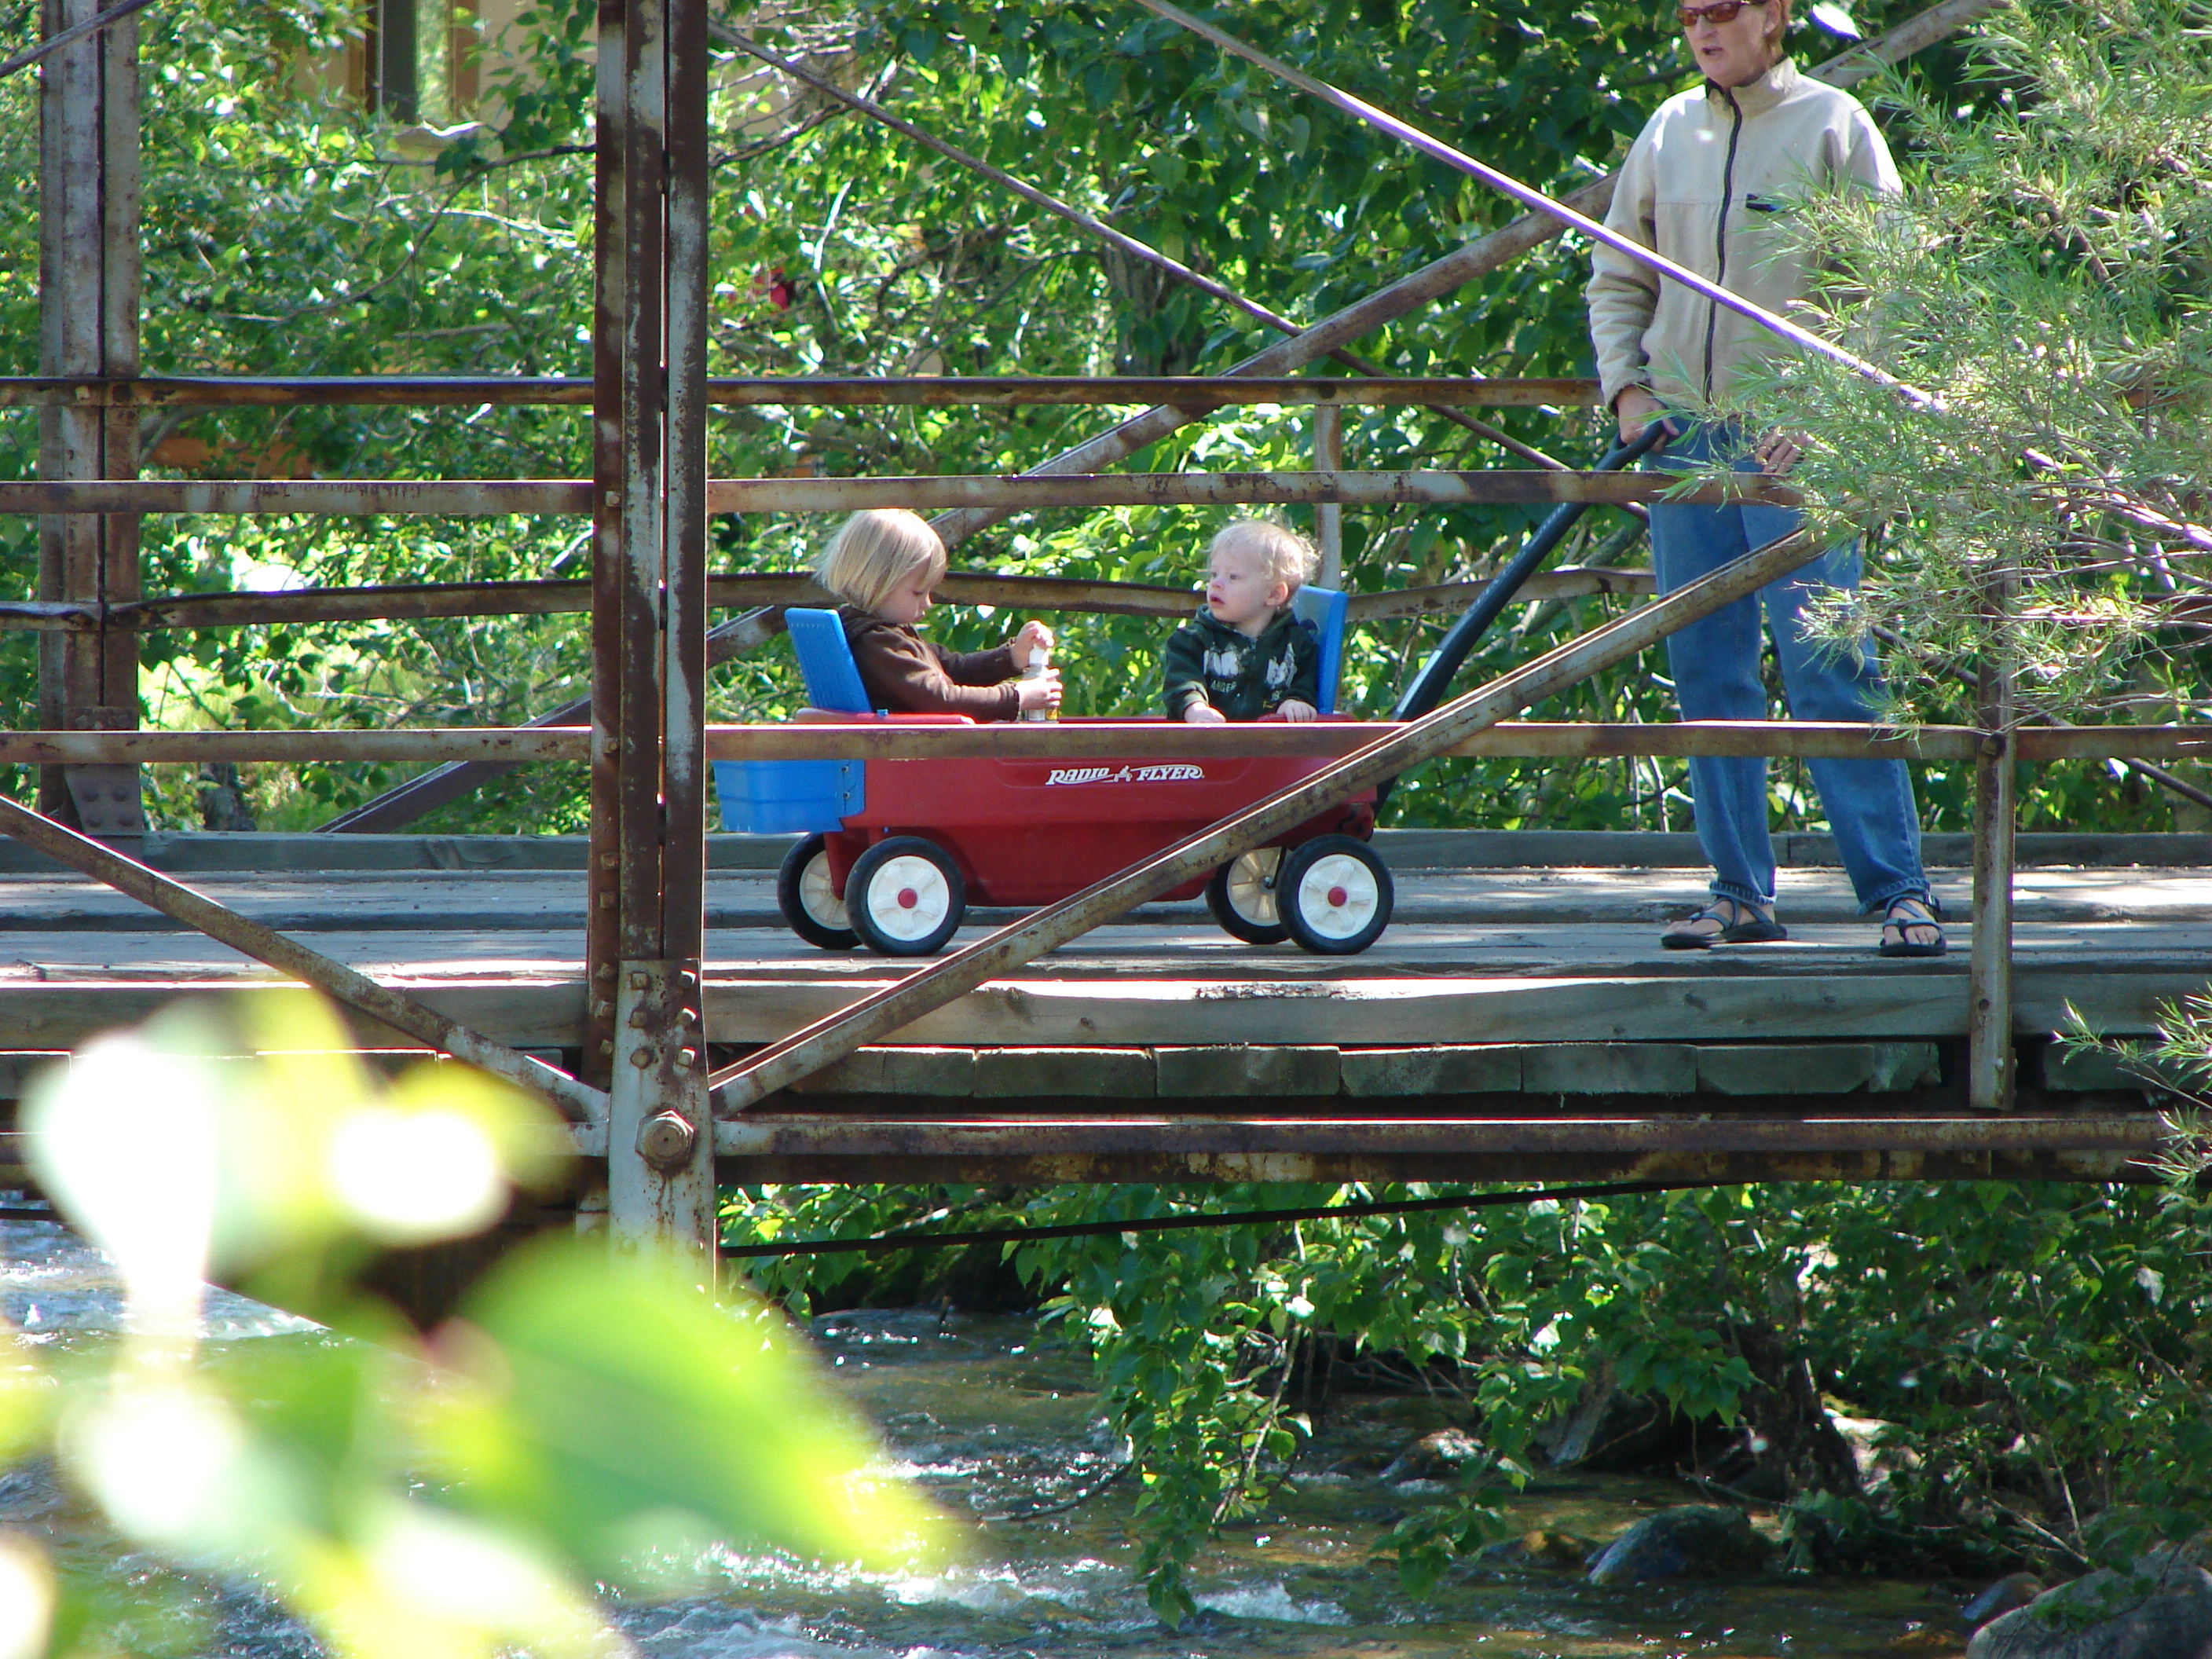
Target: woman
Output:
{"points": [[1704, 185]]}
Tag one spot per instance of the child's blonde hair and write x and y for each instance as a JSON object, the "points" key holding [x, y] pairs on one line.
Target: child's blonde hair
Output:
{"points": [[1287, 558], [875, 550]]}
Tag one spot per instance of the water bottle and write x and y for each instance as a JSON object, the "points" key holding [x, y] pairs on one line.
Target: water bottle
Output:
{"points": [[1040, 660]]}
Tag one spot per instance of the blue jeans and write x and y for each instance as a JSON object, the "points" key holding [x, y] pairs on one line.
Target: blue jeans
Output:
{"points": [[1716, 666]]}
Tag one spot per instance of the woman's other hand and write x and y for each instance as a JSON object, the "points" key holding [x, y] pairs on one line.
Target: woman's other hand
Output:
{"points": [[1778, 452], [1295, 710], [1636, 409], [1041, 693], [1204, 713], [1033, 636]]}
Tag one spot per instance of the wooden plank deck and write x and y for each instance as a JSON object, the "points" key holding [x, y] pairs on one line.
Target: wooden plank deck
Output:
{"points": [[1519, 1020]]}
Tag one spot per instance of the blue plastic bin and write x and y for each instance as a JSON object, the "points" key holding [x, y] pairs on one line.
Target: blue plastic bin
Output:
{"points": [[787, 797]]}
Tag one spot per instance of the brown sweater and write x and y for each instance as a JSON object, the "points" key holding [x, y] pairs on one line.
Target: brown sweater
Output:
{"points": [[905, 673]]}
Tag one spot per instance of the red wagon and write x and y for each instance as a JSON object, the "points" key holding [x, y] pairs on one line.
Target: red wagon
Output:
{"points": [[897, 849]]}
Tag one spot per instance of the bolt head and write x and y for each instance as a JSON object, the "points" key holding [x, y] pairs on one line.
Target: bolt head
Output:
{"points": [[641, 1058], [665, 1139]]}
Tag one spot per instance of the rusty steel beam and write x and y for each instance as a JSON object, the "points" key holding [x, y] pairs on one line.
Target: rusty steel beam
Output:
{"points": [[2134, 1135], [196, 910], [1869, 57], [1039, 1165], [49, 616], [931, 391], [807, 1051], [512, 745], [71, 34], [1450, 598], [414, 601], [1158, 740], [1075, 740], [1529, 739], [1328, 518], [89, 303], [349, 497], [681, 628], [1990, 1059], [1971, 679], [645, 931], [1025, 492]]}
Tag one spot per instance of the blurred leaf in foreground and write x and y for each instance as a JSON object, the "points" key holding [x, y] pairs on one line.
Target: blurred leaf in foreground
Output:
{"points": [[632, 1425], [589, 1419]]}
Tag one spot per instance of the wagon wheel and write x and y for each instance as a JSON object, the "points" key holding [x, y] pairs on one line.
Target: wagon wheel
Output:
{"points": [[1241, 897], [809, 902], [1334, 894], [905, 897]]}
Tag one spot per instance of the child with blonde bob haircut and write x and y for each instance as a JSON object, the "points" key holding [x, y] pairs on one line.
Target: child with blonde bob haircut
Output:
{"points": [[1244, 656], [882, 567]]}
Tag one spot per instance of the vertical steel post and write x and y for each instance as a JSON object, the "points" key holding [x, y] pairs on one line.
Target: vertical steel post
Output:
{"points": [[649, 630], [1989, 1052], [88, 298], [1328, 517]]}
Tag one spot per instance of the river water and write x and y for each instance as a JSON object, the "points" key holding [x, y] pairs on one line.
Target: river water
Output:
{"points": [[998, 1423]]}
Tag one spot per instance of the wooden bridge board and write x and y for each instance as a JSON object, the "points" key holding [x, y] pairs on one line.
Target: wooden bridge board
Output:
{"points": [[522, 1004], [444, 901], [1523, 955]]}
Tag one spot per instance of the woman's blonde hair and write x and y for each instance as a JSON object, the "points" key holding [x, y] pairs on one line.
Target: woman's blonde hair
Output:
{"points": [[1287, 558], [875, 550]]}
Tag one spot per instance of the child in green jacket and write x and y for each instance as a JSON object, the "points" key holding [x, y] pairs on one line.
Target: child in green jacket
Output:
{"points": [[1244, 654]]}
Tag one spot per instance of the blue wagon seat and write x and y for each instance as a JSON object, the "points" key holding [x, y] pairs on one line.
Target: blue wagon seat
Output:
{"points": [[1326, 608], [806, 797]]}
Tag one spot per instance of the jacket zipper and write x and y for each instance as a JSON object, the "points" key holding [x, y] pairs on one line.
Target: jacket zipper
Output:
{"points": [[1720, 236]]}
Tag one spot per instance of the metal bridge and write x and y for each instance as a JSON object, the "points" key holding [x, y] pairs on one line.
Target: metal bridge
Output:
{"points": [[1517, 1022]]}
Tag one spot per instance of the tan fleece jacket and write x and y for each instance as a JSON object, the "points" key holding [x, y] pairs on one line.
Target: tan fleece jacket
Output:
{"points": [[1706, 183]]}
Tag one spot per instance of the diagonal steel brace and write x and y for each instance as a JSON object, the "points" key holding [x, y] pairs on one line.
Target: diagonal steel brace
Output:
{"points": [[578, 1102]]}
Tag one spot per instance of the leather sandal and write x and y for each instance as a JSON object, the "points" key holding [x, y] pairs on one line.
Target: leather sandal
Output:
{"points": [[1740, 924], [1905, 913]]}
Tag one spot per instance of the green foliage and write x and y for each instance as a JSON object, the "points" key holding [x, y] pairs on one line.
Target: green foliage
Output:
{"points": [[586, 1420], [2040, 1351], [2036, 1353], [2043, 276]]}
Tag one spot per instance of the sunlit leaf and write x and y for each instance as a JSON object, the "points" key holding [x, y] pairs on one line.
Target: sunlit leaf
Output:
{"points": [[634, 1423]]}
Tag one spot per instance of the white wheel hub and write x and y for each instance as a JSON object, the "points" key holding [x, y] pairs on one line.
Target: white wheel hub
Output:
{"points": [[1252, 885], [1338, 895], [818, 898], [907, 897]]}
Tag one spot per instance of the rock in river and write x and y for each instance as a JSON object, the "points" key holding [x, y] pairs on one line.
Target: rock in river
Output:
{"points": [[1544, 1547], [1692, 1541], [2163, 1610], [1439, 1456]]}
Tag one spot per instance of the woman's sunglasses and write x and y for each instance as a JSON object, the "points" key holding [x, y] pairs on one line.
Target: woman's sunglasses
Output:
{"points": [[1720, 11]]}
